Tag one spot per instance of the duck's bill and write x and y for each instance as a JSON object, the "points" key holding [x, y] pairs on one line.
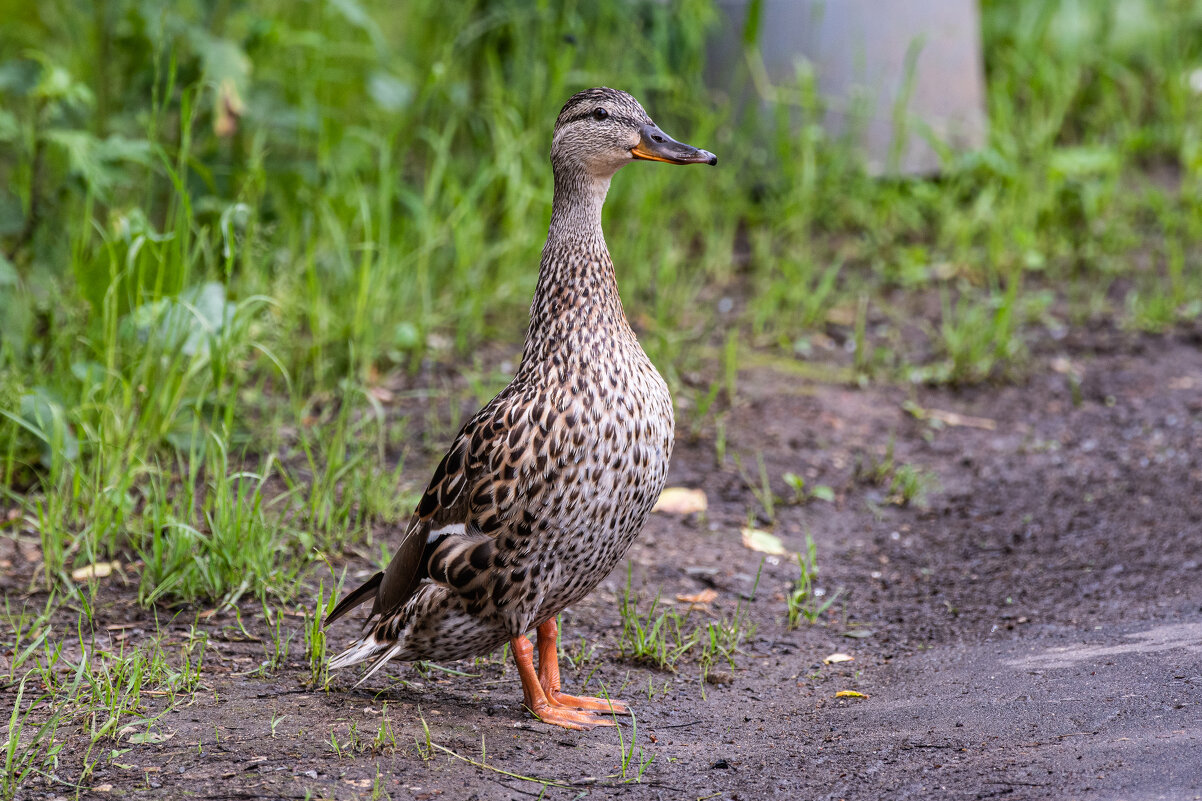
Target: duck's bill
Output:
{"points": [[655, 145]]}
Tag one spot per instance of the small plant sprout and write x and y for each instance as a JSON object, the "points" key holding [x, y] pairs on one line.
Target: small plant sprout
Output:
{"points": [[911, 484], [634, 762], [315, 639], [657, 638], [425, 749], [385, 741], [724, 637], [907, 483], [805, 600], [801, 495], [760, 487]]}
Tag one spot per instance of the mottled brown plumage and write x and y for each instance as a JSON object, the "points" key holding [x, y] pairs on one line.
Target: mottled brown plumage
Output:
{"points": [[544, 489]]}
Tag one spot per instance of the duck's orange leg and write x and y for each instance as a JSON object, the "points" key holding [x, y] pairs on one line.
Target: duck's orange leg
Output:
{"points": [[536, 698], [548, 676]]}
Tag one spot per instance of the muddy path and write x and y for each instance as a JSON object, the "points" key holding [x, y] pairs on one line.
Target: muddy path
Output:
{"points": [[1032, 628]]}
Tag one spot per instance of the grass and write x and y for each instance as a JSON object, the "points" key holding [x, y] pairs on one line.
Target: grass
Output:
{"points": [[101, 687], [315, 638], [28, 748], [661, 637], [805, 601], [906, 483], [634, 762], [658, 637], [218, 245]]}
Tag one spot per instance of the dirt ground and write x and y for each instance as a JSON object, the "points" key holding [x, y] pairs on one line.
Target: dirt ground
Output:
{"points": [[1033, 632]]}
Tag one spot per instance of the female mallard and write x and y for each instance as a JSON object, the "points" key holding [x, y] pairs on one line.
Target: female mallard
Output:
{"points": [[545, 488]]}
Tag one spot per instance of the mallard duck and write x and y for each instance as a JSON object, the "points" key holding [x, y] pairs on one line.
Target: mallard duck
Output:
{"points": [[545, 488]]}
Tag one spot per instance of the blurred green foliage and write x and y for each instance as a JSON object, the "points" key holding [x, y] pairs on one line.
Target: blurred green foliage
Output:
{"points": [[219, 217]]}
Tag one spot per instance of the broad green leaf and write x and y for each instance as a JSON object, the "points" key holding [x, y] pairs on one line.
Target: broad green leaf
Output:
{"points": [[45, 418]]}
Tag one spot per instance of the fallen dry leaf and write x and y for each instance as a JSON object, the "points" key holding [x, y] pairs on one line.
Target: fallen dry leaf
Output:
{"points": [[382, 394], [95, 571], [150, 737], [704, 597], [1066, 366], [681, 501], [835, 658], [961, 420], [849, 694], [763, 541]]}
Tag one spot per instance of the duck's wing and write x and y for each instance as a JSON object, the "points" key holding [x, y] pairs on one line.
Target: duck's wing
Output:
{"points": [[441, 510], [470, 501]]}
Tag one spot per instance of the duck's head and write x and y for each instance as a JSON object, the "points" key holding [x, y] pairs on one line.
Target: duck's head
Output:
{"points": [[601, 130]]}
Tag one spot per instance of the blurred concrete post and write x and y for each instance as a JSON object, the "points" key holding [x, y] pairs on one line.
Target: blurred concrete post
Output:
{"points": [[912, 68]]}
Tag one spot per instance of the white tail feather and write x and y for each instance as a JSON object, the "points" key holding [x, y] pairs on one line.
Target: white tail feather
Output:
{"points": [[387, 655], [359, 652]]}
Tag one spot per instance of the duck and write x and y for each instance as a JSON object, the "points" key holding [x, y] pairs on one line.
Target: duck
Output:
{"points": [[544, 489]]}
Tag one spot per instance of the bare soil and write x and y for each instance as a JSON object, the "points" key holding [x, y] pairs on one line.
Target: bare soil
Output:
{"points": [[1034, 631]]}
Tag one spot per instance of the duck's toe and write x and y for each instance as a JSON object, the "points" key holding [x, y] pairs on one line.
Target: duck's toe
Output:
{"points": [[579, 719], [587, 702]]}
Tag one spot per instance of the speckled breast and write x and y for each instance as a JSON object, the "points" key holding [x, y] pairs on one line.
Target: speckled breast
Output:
{"points": [[613, 470]]}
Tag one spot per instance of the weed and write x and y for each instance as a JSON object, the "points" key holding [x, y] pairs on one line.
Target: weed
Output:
{"points": [[25, 753], [584, 651], [911, 484], [315, 638], [424, 744], [377, 787], [801, 494], [906, 483], [657, 638], [804, 599], [385, 740], [723, 638], [277, 646], [760, 487], [633, 762], [335, 746], [28, 633]]}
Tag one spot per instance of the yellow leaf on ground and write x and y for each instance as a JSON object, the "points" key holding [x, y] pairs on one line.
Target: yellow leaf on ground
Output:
{"points": [[834, 658], [681, 501], [704, 597], [95, 571], [955, 419], [849, 694], [763, 541]]}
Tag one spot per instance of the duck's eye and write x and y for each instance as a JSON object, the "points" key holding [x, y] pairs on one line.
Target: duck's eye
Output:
{"points": [[600, 114]]}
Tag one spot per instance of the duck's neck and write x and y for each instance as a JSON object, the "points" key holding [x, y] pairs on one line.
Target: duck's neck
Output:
{"points": [[576, 301]]}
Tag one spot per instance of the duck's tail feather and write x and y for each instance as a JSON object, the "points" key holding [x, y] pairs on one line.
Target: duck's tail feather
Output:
{"points": [[363, 650], [379, 663], [353, 599]]}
